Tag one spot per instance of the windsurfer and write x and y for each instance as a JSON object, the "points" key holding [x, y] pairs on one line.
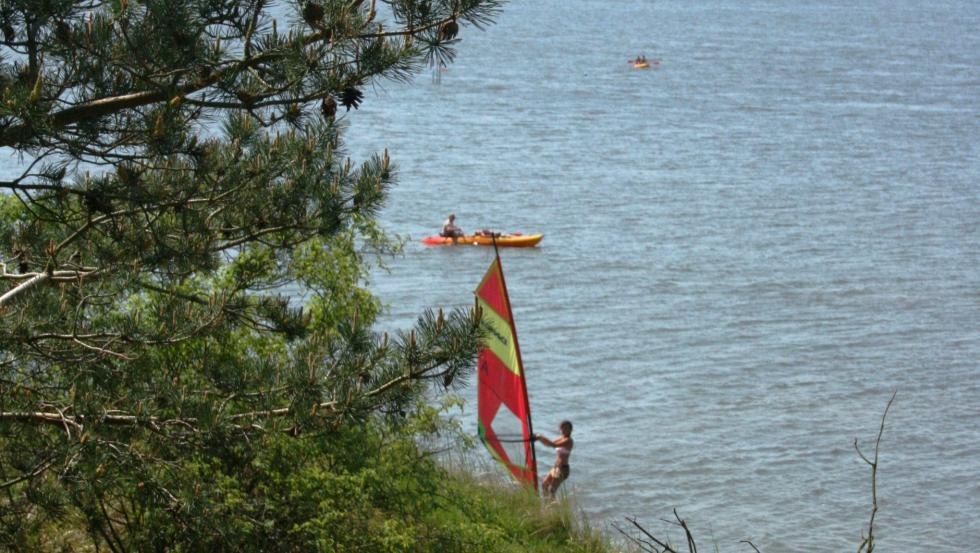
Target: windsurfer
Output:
{"points": [[563, 448], [449, 228]]}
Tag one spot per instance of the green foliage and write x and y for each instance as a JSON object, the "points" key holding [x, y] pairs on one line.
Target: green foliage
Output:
{"points": [[187, 358], [474, 516], [351, 488]]}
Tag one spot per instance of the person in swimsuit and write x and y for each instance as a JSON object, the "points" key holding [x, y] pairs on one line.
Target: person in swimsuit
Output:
{"points": [[563, 448]]}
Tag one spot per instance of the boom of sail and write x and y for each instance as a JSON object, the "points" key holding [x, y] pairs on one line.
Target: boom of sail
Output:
{"points": [[503, 408]]}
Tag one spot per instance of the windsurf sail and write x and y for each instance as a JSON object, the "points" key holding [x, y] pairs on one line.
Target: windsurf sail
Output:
{"points": [[502, 405]]}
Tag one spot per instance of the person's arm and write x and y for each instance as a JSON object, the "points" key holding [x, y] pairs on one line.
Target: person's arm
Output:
{"points": [[560, 442], [544, 440]]}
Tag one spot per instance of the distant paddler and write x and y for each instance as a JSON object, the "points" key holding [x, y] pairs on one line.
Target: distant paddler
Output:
{"points": [[641, 62], [563, 449], [449, 228]]}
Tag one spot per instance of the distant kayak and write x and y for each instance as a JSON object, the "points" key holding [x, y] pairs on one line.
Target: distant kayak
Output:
{"points": [[504, 240], [644, 63]]}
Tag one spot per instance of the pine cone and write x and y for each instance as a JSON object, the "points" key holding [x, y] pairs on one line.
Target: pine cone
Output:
{"points": [[183, 38], [313, 14], [448, 30], [329, 108], [96, 202], [62, 31], [293, 113], [351, 97]]}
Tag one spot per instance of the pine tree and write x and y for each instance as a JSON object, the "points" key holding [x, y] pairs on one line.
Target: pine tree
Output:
{"points": [[183, 165]]}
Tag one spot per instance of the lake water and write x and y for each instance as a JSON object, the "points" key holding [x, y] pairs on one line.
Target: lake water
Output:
{"points": [[747, 250]]}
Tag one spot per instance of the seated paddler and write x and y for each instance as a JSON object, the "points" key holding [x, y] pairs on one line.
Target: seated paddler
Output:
{"points": [[449, 228]]}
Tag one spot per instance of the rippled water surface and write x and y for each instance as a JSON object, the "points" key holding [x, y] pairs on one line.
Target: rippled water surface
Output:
{"points": [[746, 252]]}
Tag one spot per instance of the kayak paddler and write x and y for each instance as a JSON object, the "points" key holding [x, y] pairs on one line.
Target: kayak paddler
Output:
{"points": [[449, 228]]}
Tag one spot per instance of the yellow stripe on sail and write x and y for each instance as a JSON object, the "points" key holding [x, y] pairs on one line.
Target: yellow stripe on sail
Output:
{"points": [[500, 337]]}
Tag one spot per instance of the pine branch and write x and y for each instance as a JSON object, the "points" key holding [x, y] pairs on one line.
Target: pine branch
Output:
{"points": [[38, 470], [34, 279], [18, 134]]}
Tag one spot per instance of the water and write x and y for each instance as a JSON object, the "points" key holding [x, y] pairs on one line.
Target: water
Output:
{"points": [[746, 252]]}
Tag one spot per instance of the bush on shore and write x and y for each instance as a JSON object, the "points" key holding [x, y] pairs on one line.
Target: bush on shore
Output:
{"points": [[372, 487]]}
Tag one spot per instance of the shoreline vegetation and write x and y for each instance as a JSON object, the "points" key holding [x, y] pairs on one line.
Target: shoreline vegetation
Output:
{"points": [[482, 516], [448, 499]]}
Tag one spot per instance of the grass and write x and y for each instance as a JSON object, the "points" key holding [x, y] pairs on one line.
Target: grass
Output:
{"points": [[514, 516]]}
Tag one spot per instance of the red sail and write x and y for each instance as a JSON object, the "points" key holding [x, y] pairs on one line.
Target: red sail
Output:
{"points": [[502, 405]]}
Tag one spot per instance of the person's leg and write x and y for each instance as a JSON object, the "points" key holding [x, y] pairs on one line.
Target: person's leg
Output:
{"points": [[555, 479], [557, 482], [549, 484]]}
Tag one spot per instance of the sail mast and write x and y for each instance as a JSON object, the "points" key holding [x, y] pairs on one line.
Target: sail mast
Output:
{"points": [[520, 363]]}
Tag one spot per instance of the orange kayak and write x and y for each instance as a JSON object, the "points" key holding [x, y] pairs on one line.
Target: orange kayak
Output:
{"points": [[504, 240]]}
